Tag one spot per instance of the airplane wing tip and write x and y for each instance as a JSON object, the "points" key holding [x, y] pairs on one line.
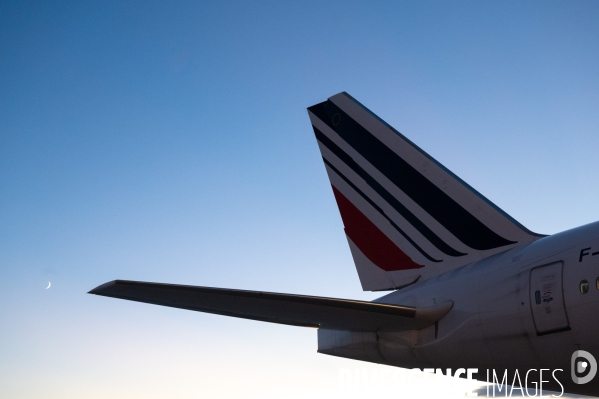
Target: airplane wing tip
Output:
{"points": [[102, 288]]}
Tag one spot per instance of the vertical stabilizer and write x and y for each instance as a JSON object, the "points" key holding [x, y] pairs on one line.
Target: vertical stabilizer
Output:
{"points": [[405, 215]]}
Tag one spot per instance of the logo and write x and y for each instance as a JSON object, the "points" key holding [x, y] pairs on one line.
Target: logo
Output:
{"points": [[583, 366]]}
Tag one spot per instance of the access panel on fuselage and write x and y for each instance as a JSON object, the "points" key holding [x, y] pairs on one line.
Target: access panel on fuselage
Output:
{"points": [[547, 298]]}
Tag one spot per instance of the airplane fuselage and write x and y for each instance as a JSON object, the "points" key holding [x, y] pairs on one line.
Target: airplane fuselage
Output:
{"points": [[526, 308]]}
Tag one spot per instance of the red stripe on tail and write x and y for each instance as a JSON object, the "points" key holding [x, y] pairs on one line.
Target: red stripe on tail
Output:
{"points": [[373, 243]]}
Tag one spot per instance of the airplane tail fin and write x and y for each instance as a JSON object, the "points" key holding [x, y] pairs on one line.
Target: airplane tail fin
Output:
{"points": [[405, 215]]}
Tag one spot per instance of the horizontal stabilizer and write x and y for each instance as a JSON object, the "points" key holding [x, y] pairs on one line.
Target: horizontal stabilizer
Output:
{"points": [[296, 310]]}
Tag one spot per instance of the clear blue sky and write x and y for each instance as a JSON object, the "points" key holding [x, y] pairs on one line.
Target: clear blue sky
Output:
{"points": [[169, 141]]}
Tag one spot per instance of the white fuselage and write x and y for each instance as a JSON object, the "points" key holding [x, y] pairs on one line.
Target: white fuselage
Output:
{"points": [[521, 309]]}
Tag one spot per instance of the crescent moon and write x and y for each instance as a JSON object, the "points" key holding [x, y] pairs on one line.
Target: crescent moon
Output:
{"points": [[49, 284]]}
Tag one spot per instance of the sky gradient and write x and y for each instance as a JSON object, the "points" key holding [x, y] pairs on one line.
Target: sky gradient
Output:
{"points": [[169, 142]]}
